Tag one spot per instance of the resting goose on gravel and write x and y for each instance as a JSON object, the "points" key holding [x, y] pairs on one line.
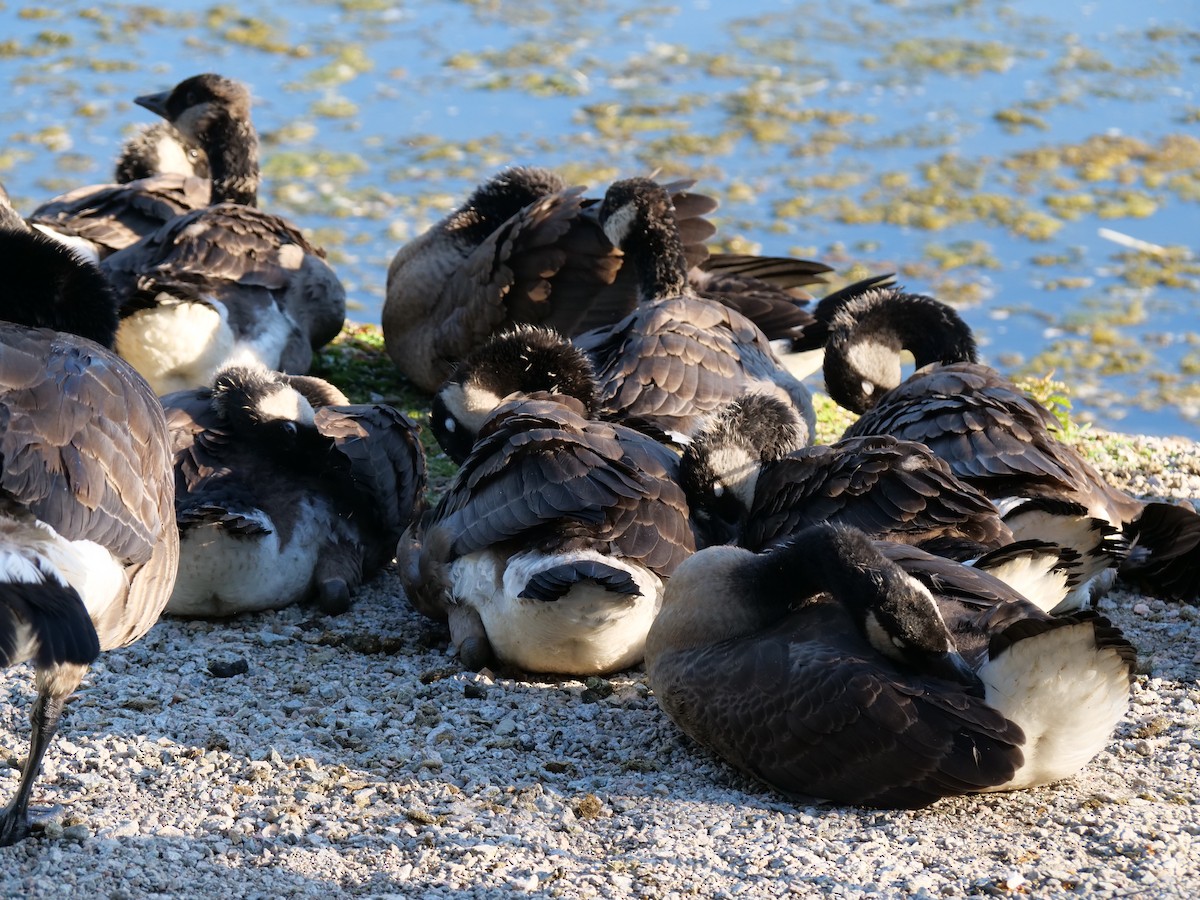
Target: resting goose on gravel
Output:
{"points": [[285, 492], [750, 481], [830, 668], [677, 357], [998, 439], [526, 248], [549, 550], [227, 283], [88, 546]]}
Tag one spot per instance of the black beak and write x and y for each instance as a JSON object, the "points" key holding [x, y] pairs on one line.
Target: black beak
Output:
{"points": [[953, 667], [156, 103]]}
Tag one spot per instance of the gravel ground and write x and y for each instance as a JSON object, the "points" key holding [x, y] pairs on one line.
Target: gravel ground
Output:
{"points": [[287, 755]]}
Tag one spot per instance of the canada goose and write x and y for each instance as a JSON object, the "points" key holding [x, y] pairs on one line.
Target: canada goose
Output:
{"points": [[995, 437], [87, 529], [526, 248], [677, 357], [285, 492], [160, 174], [521, 249], [159, 149], [520, 361], [750, 479], [549, 550], [227, 283], [785, 665]]}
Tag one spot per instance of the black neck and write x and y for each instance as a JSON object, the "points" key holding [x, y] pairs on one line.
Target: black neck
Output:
{"points": [[656, 251], [232, 148], [825, 558]]}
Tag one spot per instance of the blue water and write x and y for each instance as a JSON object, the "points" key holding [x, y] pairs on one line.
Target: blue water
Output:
{"points": [[417, 77]]}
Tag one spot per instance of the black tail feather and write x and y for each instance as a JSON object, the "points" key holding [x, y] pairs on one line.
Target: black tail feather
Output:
{"points": [[62, 630], [1166, 552], [553, 583]]}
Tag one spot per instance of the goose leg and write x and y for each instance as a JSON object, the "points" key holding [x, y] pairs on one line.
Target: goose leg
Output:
{"points": [[14, 820]]}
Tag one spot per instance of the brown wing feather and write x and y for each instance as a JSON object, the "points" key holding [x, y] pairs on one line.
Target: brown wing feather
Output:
{"points": [[813, 711], [85, 449]]}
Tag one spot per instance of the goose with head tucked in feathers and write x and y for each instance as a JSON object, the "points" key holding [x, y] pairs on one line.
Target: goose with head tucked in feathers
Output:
{"points": [[285, 491], [227, 283], [526, 248], [750, 481], [875, 674], [998, 439], [88, 546], [549, 550]]}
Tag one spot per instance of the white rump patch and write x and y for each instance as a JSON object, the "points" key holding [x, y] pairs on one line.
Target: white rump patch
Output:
{"points": [[1066, 694], [176, 345], [587, 631]]}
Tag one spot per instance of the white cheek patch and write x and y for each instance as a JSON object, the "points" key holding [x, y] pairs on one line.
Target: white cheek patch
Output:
{"points": [[172, 158], [470, 405], [877, 364], [737, 470], [617, 226], [287, 404]]}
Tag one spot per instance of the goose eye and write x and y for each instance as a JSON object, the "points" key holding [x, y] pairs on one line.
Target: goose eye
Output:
{"points": [[718, 489], [450, 425], [868, 388], [194, 154], [288, 428]]}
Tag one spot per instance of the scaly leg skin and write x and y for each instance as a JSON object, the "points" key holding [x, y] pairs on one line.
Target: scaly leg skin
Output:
{"points": [[469, 636], [14, 821], [339, 568]]}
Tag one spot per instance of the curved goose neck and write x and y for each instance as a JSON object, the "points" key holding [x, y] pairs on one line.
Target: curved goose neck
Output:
{"points": [[825, 558], [656, 251], [638, 216], [867, 333]]}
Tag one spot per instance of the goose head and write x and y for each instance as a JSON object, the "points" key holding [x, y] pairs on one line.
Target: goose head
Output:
{"points": [[521, 361], [638, 217], [501, 197], [213, 112], [721, 464], [867, 332], [266, 405]]}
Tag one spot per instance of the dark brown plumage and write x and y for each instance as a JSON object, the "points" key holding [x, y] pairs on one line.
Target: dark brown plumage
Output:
{"points": [[770, 662], [83, 458], [747, 486], [677, 357], [526, 248], [1002, 442], [549, 549], [226, 283], [286, 492]]}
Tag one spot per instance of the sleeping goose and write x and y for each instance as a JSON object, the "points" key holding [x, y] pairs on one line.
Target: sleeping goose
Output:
{"points": [[677, 357], [520, 249], [831, 668], [549, 550], [995, 437], [227, 283], [526, 248], [750, 481], [87, 529], [285, 491]]}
